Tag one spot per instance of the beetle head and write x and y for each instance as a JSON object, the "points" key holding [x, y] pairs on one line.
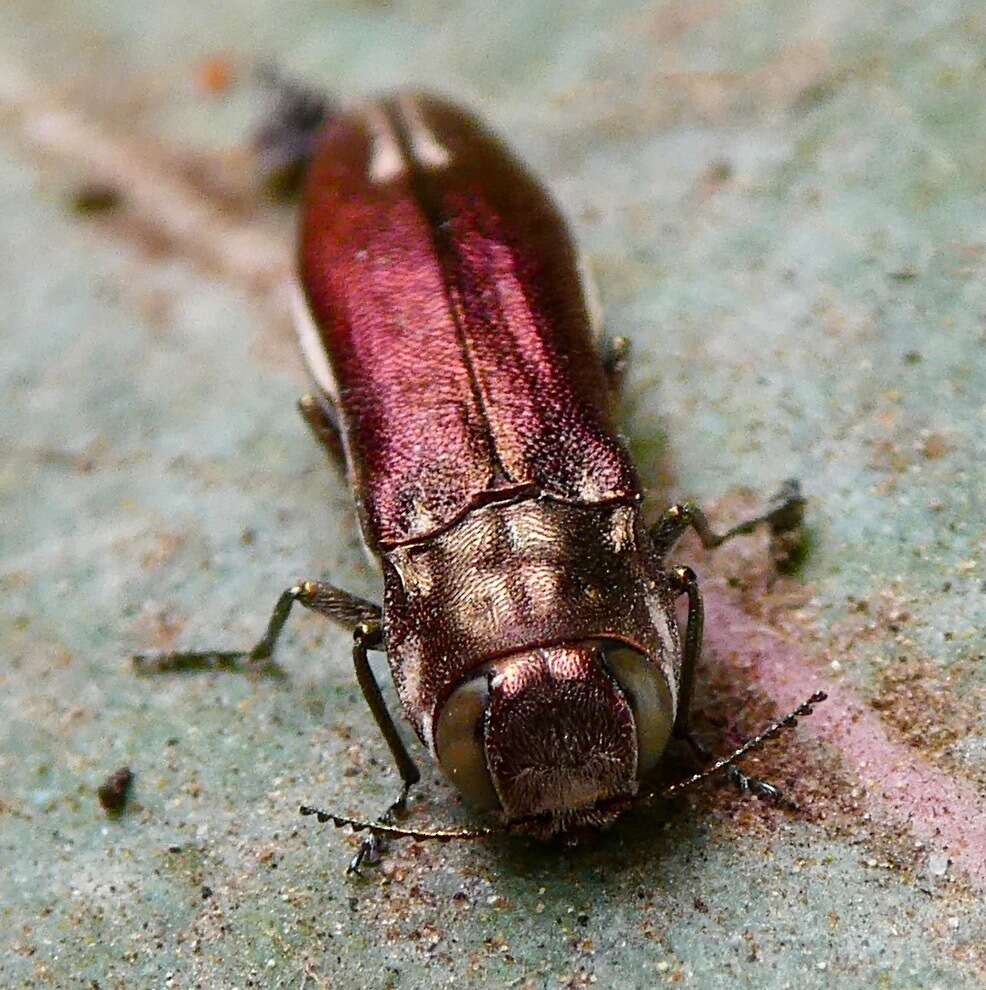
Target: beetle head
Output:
{"points": [[558, 737], [611, 808]]}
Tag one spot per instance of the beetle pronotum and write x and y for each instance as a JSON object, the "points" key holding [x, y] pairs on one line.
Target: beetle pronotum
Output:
{"points": [[528, 612]]}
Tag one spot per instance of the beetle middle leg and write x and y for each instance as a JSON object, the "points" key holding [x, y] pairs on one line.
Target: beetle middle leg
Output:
{"points": [[784, 517], [684, 582]]}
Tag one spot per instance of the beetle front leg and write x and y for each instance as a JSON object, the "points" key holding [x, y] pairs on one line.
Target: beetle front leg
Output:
{"points": [[784, 516], [368, 635], [684, 582]]}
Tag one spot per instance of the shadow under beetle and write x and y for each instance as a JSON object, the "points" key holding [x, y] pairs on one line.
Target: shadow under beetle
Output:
{"points": [[528, 611]]}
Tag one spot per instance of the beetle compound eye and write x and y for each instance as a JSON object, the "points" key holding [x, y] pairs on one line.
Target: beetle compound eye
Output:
{"points": [[459, 742], [647, 691]]}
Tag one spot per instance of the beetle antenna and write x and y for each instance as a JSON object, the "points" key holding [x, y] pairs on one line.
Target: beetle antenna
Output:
{"points": [[772, 730], [395, 831]]}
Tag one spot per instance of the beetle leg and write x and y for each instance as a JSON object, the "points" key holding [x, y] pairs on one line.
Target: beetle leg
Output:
{"points": [[346, 609], [615, 357], [684, 582], [322, 421], [784, 516], [367, 636]]}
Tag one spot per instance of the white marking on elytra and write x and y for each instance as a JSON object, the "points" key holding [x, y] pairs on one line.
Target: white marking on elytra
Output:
{"points": [[312, 347], [427, 148], [387, 159], [317, 360]]}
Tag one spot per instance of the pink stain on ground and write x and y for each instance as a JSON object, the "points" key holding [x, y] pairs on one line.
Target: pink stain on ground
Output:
{"points": [[901, 788]]}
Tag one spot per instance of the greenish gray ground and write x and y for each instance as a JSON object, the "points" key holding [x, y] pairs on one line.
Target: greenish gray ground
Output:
{"points": [[783, 203]]}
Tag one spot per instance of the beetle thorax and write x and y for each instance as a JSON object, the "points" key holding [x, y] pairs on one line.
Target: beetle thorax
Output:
{"points": [[516, 577]]}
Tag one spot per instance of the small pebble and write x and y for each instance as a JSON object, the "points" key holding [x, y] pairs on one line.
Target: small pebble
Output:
{"points": [[114, 791]]}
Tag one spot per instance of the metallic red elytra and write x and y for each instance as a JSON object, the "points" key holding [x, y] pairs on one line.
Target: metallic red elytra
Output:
{"points": [[528, 615]]}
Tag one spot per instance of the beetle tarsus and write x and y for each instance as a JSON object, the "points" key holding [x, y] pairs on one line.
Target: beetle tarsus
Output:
{"points": [[787, 510], [756, 742], [193, 661], [754, 785], [788, 544], [745, 783]]}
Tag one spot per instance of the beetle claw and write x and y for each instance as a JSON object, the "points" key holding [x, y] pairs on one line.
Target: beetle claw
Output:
{"points": [[369, 852], [753, 785]]}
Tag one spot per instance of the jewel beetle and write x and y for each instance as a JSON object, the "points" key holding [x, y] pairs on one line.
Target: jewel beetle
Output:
{"points": [[528, 610]]}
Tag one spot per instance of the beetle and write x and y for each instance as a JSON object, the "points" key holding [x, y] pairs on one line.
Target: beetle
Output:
{"points": [[528, 610]]}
